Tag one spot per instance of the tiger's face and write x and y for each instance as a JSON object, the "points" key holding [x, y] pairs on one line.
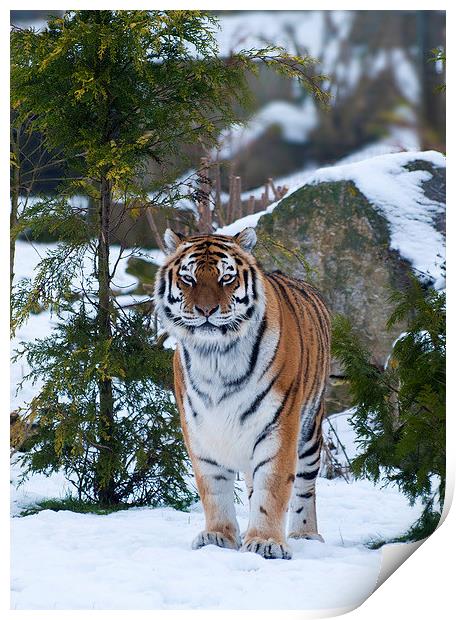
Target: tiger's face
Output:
{"points": [[209, 286]]}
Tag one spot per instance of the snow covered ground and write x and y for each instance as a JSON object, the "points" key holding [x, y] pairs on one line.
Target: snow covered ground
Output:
{"points": [[141, 558]]}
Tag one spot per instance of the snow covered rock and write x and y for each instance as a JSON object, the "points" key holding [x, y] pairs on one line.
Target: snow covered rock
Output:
{"points": [[361, 227]]}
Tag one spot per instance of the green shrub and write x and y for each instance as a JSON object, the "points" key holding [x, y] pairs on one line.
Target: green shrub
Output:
{"points": [[400, 409]]}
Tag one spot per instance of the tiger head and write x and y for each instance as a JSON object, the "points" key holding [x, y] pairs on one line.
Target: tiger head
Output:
{"points": [[209, 286]]}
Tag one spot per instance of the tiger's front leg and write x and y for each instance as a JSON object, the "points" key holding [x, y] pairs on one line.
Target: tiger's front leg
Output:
{"points": [[216, 489], [215, 483], [272, 477]]}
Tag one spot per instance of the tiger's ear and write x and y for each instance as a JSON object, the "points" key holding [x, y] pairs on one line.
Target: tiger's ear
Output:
{"points": [[247, 239], [172, 240]]}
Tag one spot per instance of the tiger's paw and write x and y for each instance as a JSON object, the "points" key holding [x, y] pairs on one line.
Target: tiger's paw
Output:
{"points": [[268, 549], [307, 536], [214, 538]]}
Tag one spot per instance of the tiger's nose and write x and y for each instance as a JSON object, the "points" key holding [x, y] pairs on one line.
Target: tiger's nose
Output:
{"points": [[207, 310]]}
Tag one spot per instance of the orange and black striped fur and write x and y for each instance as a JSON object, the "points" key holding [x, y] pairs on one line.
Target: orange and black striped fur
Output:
{"points": [[251, 364]]}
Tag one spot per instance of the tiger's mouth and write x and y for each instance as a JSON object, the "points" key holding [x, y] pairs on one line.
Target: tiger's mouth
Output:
{"points": [[211, 329], [208, 326], [222, 326]]}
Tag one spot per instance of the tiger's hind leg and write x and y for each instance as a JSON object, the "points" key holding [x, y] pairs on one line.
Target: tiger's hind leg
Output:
{"points": [[248, 484], [303, 514]]}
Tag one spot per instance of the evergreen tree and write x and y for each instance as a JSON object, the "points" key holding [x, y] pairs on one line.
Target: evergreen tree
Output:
{"points": [[400, 410], [112, 90]]}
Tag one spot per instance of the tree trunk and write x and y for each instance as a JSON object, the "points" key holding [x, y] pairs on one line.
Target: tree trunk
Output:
{"points": [[432, 103], [106, 461]]}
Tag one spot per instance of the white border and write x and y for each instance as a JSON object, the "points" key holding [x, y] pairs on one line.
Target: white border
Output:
{"points": [[423, 586]]}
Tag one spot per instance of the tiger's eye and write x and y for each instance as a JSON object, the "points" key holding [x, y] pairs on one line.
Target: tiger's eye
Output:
{"points": [[187, 280]]}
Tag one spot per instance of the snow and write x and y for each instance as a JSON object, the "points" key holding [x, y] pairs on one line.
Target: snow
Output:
{"points": [[40, 325], [379, 62], [340, 424], [29, 254], [348, 74], [405, 75], [141, 558], [295, 122], [398, 195], [391, 144], [255, 29]]}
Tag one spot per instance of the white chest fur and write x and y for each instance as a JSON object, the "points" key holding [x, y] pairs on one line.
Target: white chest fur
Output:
{"points": [[230, 396]]}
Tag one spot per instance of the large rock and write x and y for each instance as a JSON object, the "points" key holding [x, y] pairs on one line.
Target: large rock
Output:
{"points": [[345, 243], [347, 240]]}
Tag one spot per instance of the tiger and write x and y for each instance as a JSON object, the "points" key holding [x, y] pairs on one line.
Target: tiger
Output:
{"points": [[250, 367]]}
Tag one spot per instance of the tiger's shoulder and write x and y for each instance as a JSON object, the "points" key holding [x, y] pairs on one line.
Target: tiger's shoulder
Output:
{"points": [[307, 291]]}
